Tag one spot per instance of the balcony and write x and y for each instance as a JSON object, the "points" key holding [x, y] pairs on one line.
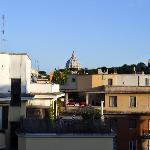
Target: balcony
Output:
{"points": [[64, 126], [43, 88], [127, 89]]}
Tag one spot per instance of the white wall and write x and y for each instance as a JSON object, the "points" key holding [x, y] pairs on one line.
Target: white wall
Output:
{"points": [[43, 88], [28, 74], [14, 66], [4, 73], [142, 79], [18, 64], [131, 79], [127, 80], [39, 102]]}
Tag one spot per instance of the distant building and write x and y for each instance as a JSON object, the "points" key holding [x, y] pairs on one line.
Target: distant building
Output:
{"points": [[73, 62]]}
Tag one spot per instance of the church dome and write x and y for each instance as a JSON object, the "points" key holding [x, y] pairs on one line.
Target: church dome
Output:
{"points": [[73, 62]]}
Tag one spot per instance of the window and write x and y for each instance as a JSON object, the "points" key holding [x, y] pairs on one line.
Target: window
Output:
{"points": [[113, 101], [132, 145], [110, 81], [132, 101], [73, 80], [146, 81], [132, 123], [15, 92]]}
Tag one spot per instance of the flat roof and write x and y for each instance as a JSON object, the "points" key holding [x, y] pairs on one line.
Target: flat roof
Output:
{"points": [[15, 53]]}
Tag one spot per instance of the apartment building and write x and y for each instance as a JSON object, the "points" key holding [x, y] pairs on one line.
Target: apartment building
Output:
{"points": [[126, 100]]}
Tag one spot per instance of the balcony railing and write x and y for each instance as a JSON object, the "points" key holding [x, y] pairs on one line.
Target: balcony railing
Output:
{"points": [[63, 126], [43, 88]]}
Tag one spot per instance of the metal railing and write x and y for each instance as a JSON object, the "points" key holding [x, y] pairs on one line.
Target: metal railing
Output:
{"points": [[63, 126]]}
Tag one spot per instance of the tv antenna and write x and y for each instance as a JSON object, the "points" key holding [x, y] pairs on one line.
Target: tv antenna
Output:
{"points": [[38, 65], [3, 40]]}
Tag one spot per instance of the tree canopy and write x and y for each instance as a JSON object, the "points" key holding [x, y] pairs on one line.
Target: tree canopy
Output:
{"points": [[60, 76]]}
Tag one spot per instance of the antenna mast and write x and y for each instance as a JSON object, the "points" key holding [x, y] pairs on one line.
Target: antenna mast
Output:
{"points": [[3, 40], [38, 65]]}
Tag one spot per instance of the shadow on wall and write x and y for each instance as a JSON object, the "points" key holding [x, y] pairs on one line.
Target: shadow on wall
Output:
{"points": [[5, 89]]}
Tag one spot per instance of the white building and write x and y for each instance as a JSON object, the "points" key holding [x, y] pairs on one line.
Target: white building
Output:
{"points": [[14, 66], [18, 95]]}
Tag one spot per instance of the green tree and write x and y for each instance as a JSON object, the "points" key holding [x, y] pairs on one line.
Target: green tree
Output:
{"points": [[60, 77], [90, 113], [141, 67]]}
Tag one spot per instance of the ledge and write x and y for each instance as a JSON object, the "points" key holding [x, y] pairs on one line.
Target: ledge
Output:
{"points": [[54, 135]]}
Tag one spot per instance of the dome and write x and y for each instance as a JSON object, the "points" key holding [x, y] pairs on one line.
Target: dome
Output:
{"points": [[73, 62]]}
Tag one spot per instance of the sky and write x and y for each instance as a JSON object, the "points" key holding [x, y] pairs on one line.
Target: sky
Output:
{"points": [[101, 32]]}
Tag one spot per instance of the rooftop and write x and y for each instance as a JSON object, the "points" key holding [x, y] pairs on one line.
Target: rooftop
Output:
{"points": [[13, 53]]}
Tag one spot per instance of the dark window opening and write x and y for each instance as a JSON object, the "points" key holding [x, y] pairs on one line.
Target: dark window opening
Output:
{"points": [[132, 123], [15, 92], [132, 145], [110, 82], [73, 80], [14, 126]]}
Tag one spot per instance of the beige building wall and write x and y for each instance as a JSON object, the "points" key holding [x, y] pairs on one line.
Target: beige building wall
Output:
{"points": [[123, 103], [85, 82], [97, 80], [102, 79], [65, 143]]}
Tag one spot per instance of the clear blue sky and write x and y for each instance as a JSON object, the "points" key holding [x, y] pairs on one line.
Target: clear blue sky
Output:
{"points": [[102, 32]]}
